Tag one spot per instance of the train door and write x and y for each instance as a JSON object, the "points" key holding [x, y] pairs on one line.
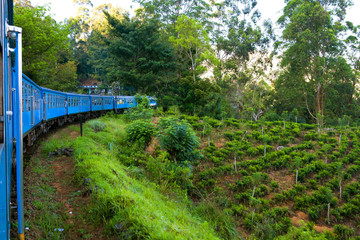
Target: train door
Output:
{"points": [[44, 106], [32, 106], [66, 106]]}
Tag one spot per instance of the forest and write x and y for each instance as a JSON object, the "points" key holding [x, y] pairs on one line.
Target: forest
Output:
{"points": [[206, 58]]}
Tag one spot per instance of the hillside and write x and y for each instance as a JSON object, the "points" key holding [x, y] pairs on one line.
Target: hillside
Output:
{"points": [[302, 175], [303, 185]]}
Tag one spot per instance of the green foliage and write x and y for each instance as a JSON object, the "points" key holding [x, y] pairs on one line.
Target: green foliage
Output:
{"points": [[141, 110], [54, 144], [122, 195], [343, 232], [97, 125], [140, 131], [46, 52], [218, 219], [141, 59], [179, 139]]}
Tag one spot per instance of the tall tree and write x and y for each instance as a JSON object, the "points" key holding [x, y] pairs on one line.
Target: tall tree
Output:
{"points": [[244, 51], [45, 43], [193, 42], [311, 39], [140, 57]]}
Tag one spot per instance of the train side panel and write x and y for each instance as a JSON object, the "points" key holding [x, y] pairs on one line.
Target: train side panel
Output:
{"points": [[96, 103], [32, 104], [84, 103], [123, 102], [108, 103], [54, 104]]}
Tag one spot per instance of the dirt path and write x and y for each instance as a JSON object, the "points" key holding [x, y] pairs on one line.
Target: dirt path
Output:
{"points": [[55, 207]]}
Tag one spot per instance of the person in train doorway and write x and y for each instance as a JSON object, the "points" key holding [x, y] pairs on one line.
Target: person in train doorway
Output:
{"points": [[66, 102]]}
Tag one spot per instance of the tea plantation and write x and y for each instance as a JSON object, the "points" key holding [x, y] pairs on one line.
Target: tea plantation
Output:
{"points": [[258, 180]]}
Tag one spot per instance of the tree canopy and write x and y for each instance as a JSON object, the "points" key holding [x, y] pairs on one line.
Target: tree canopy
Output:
{"points": [[216, 58]]}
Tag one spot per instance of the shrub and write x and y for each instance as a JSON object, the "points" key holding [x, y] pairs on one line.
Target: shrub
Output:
{"points": [[343, 232], [140, 131], [179, 139], [274, 185], [141, 111], [96, 125], [314, 213], [229, 136]]}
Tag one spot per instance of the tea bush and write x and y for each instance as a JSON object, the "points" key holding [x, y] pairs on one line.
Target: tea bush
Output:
{"points": [[140, 131], [179, 139]]}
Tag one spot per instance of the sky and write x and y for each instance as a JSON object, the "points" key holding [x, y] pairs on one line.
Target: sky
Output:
{"points": [[62, 9]]}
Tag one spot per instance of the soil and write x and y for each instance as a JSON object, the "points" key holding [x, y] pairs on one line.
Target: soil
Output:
{"points": [[70, 198], [286, 181]]}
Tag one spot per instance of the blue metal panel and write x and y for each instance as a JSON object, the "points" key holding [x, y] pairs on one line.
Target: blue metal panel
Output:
{"points": [[4, 200], [84, 103], [123, 102], [97, 103], [73, 103], [108, 103], [32, 104], [54, 103]]}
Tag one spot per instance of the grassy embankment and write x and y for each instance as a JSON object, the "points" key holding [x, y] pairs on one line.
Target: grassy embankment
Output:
{"points": [[130, 205]]}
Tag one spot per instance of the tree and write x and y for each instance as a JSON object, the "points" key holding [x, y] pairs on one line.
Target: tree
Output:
{"points": [[44, 42], [169, 11], [139, 56], [312, 41], [242, 48], [193, 41]]}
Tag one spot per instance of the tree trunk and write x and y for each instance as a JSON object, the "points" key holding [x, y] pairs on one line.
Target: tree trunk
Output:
{"points": [[340, 188], [244, 135], [317, 103], [340, 138], [264, 150], [235, 162], [253, 193], [328, 213], [296, 178]]}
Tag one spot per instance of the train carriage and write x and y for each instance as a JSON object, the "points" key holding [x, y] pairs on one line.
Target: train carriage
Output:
{"points": [[84, 103], [54, 103], [123, 102], [108, 103], [32, 104], [11, 133]]}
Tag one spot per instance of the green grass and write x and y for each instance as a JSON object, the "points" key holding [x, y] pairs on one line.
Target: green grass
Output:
{"points": [[43, 200], [131, 207]]}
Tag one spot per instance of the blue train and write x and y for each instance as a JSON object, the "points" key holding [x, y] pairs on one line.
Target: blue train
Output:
{"points": [[26, 111]]}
